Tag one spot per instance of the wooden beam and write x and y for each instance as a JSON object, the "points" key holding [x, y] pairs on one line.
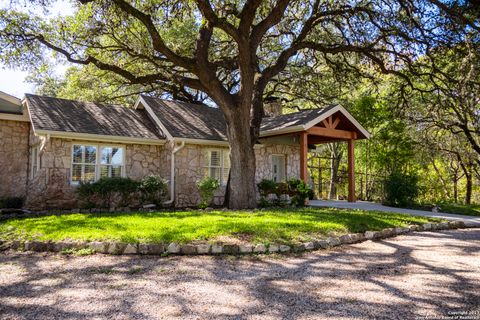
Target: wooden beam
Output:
{"points": [[335, 123], [303, 156], [351, 170], [332, 133]]}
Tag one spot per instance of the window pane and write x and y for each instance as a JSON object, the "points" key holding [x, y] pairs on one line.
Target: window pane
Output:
{"points": [[117, 156], [77, 154], [110, 171], [278, 168], [215, 173], [106, 155], [116, 171], [89, 173], [77, 172], [215, 159], [90, 154]]}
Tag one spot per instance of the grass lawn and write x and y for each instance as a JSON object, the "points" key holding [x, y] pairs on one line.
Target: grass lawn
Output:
{"points": [[465, 209], [278, 225], [455, 208]]}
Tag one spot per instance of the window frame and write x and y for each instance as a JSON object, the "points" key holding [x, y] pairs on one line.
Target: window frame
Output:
{"points": [[284, 157], [99, 148], [223, 154]]}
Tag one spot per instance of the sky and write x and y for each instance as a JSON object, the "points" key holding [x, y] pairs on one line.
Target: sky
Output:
{"points": [[12, 81]]}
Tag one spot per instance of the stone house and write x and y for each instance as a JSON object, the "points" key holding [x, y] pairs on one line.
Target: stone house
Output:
{"points": [[49, 145]]}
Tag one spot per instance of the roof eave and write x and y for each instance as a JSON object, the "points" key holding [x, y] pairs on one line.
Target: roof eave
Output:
{"points": [[99, 137]]}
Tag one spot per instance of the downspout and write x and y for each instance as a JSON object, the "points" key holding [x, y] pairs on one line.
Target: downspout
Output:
{"points": [[175, 149]]}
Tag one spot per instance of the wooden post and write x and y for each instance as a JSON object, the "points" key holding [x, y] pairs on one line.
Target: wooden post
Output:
{"points": [[303, 156], [351, 170]]}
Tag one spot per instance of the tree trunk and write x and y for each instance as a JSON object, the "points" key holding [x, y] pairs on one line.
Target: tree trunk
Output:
{"points": [[468, 191], [455, 189], [242, 193]]}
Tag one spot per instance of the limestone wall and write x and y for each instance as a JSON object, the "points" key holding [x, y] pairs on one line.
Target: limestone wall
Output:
{"points": [[264, 160], [14, 162], [189, 168], [51, 188], [190, 161]]}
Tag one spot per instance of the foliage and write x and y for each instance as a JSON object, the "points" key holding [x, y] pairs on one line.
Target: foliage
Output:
{"points": [[107, 191], [300, 191], [11, 202], [153, 189], [297, 189], [401, 189], [206, 188], [266, 187], [265, 226]]}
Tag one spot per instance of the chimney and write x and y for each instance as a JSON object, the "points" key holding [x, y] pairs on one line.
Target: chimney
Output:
{"points": [[272, 107]]}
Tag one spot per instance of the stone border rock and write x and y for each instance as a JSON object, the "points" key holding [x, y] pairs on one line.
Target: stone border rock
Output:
{"points": [[117, 248]]}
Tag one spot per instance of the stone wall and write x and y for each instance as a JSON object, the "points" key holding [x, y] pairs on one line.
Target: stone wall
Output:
{"points": [[189, 164], [189, 168], [14, 161], [264, 160], [51, 188]]}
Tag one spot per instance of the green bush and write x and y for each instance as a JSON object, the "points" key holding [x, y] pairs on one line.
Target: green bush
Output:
{"points": [[299, 190], [207, 187], [107, 191], [266, 187], [11, 203], [401, 189], [153, 189]]}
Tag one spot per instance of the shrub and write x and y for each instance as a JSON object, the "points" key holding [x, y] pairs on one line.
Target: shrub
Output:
{"points": [[282, 188], [86, 192], [299, 190], [11, 203], [263, 202], [153, 189], [106, 191], [207, 187], [266, 187], [401, 189]]}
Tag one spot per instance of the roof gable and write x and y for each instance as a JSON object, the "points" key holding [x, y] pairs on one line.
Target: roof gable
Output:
{"points": [[189, 121]]}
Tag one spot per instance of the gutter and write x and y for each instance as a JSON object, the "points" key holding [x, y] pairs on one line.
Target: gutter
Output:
{"points": [[172, 171]]}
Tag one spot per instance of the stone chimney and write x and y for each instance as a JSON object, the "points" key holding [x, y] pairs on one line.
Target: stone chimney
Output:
{"points": [[272, 107]]}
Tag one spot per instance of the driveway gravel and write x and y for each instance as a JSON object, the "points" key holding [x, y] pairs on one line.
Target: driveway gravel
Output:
{"points": [[416, 276]]}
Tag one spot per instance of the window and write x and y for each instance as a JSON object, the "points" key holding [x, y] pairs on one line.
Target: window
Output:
{"points": [[111, 163], [35, 160], [218, 165], [91, 162], [278, 168]]}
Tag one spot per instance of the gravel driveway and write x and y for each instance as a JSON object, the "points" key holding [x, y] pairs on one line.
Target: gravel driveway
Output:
{"points": [[408, 277]]}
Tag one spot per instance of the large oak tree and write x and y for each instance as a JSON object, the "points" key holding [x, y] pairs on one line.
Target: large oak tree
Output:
{"points": [[229, 53]]}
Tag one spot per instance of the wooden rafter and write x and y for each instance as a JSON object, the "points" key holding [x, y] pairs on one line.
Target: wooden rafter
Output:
{"points": [[330, 123]]}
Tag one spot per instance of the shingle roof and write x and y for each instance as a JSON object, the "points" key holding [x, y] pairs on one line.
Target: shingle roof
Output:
{"points": [[184, 120], [292, 119], [55, 114]]}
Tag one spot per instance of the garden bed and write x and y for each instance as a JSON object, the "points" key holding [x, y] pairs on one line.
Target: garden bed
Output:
{"points": [[280, 226]]}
